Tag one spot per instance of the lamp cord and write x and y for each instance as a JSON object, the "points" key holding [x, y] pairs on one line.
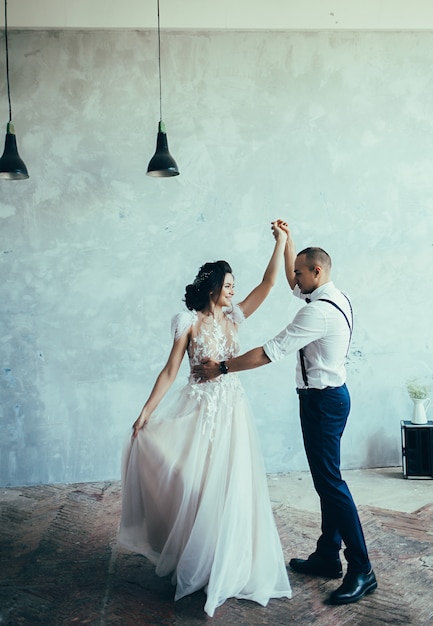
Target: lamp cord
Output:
{"points": [[159, 67], [7, 62]]}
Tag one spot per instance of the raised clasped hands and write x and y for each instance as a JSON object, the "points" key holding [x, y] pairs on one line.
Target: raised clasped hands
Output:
{"points": [[280, 228], [206, 370]]}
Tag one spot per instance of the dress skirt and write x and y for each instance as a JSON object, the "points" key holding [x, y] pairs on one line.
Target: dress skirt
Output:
{"points": [[195, 499]]}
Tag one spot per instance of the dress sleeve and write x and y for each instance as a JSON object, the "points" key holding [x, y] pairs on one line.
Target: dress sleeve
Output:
{"points": [[182, 322], [235, 314]]}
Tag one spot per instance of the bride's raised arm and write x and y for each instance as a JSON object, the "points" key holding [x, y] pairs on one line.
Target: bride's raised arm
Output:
{"points": [[259, 293]]}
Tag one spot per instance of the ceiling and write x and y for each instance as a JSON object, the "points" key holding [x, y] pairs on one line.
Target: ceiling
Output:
{"points": [[223, 14]]}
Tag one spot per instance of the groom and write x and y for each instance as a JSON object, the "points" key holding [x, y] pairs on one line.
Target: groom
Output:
{"points": [[320, 332]]}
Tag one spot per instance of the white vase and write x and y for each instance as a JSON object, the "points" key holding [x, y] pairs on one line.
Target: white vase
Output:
{"points": [[420, 406]]}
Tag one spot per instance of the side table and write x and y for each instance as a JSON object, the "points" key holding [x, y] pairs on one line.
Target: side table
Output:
{"points": [[417, 449]]}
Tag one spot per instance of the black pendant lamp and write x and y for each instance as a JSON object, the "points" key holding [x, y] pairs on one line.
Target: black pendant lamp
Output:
{"points": [[12, 167], [162, 164]]}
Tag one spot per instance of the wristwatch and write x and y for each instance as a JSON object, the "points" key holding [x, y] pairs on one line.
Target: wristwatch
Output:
{"points": [[223, 368]]}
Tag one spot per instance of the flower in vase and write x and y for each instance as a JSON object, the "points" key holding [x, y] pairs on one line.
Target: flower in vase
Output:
{"points": [[418, 390]]}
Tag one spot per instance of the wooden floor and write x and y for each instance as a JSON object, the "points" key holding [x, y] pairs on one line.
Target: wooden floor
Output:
{"points": [[60, 565]]}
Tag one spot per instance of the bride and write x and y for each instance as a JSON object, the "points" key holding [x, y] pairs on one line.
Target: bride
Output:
{"points": [[195, 498]]}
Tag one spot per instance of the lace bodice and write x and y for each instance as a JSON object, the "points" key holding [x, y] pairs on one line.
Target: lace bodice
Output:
{"points": [[209, 338], [218, 341]]}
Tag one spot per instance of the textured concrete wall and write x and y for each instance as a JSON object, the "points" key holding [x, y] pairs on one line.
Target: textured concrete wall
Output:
{"points": [[331, 131]]}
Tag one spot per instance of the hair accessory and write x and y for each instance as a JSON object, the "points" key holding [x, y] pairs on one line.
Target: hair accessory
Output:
{"points": [[200, 278]]}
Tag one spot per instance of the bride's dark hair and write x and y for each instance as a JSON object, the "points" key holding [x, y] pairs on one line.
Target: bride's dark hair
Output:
{"points": [[210, 277]]}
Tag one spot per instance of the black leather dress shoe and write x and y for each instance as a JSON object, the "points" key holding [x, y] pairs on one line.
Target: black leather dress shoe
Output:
{"points": [[354, 587], [316, 566]]}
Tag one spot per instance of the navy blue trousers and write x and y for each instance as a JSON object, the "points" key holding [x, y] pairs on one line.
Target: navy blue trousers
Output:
{"points": [[324, 415]]}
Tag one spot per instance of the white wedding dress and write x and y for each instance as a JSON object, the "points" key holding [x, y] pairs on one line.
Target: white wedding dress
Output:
{"points": [[195, 498]]}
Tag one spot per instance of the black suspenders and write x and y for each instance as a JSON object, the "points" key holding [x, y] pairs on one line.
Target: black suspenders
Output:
{"points": [[301, 351]]}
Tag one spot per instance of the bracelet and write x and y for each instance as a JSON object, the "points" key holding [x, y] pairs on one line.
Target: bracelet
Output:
{"points": [[223, 368]]}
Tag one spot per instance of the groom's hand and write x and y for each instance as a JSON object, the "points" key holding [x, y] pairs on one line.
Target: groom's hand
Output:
{"points": [[206, 370]]}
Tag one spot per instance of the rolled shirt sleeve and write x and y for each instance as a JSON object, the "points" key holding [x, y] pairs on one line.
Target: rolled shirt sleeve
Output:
{"points": [[308, 325]]}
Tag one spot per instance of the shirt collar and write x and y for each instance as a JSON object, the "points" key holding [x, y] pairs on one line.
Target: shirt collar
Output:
{"points": [[320, 291]]}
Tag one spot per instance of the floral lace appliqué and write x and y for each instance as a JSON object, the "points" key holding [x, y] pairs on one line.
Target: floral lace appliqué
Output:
{"points": [[212, 340]]}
